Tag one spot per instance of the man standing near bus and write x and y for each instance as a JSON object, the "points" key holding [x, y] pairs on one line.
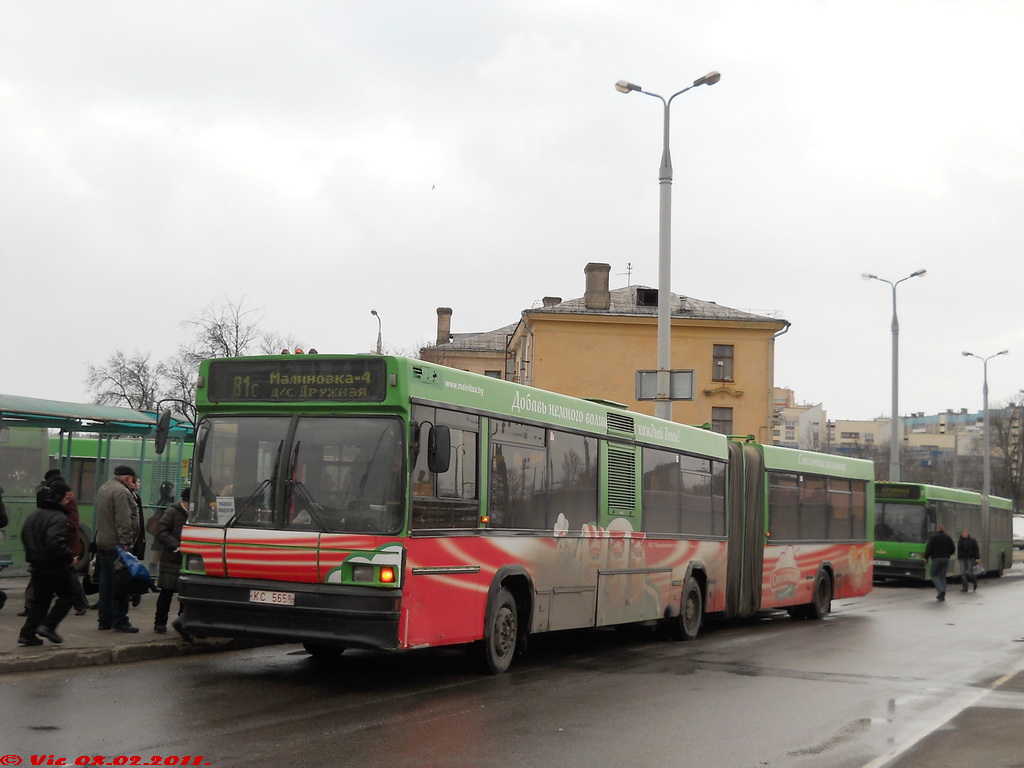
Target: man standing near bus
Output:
{"points": [[939, 549], [968, 553], [118, 521]]}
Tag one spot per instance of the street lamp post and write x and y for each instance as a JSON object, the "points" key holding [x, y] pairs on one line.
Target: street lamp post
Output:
{"points": [[662, 401], [894, 445], [374, 313], [987, 437]]}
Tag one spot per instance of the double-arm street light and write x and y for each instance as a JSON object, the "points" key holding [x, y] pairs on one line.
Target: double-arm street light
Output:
{"points": [[662, 402], [894, 445], [987, 437], [374, 313]]}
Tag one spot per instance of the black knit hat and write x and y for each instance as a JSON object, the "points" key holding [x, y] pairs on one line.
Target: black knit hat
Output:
{"points": [[125, 471], [56, 491]]}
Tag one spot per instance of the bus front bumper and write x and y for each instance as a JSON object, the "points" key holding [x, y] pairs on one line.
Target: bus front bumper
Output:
{"points": [[899, 569], [354, 617]]}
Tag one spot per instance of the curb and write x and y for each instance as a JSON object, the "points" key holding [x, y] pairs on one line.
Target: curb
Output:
{"points": [[49, 658]]}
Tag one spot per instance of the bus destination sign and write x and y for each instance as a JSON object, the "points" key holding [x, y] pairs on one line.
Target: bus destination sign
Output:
{"points": [[297, 379], [897, 492]]}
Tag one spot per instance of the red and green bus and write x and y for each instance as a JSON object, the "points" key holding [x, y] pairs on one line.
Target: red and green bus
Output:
{"points": [[389, 503], [908, 513]]}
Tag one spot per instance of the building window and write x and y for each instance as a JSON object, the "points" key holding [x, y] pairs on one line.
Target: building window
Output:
{"points": [[493, 374], [722, 363], [721, 420], [849, 435]]}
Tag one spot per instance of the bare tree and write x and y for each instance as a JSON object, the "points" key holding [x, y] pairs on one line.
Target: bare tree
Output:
{"points": [[272, 343], [1007, 455], [124, 380], [179, 376], [222, 330]]}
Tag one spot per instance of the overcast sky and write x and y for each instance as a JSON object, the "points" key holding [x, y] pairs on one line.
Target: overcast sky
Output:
{"points": [[317, 160]]}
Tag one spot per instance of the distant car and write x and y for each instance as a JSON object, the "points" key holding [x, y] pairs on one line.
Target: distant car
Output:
{"points": [[1018, 531]]}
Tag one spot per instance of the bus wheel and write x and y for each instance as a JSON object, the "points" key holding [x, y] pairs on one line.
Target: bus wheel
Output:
{"points": [[323, 652], [686, 626], [821, 599], [496, 650]]}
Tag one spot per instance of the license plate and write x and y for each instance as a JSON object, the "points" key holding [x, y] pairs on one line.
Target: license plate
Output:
{"points": [[882, 562], [271, 598]]}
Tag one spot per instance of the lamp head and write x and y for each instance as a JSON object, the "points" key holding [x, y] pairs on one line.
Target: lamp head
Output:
{"points": [[919, 273], [868, 276], [709, 79], [374, 312], [967, 354], [624, 86]]}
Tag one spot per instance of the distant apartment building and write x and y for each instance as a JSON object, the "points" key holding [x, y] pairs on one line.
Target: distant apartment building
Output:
{"points": [[593, 346]]}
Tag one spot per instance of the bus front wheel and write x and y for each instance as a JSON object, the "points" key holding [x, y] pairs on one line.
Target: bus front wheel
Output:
{"points": [[686, 626], [501, 634]]}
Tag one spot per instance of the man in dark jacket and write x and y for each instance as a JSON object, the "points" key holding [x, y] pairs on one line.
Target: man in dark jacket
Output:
{"points": [[169, 535], [3, 524], [939, 549], [45, 537], [968, 554]]}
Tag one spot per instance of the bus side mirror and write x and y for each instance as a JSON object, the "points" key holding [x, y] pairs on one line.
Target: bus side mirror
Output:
{"points": [[163, 431], [439, 450]]}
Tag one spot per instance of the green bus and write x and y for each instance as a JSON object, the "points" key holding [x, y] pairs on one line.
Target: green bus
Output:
{"points": [[384, 502], [906, 514]]}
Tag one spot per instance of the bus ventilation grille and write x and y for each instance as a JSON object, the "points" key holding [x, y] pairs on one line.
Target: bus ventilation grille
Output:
{"points": [[621, 424], [621, 481]]}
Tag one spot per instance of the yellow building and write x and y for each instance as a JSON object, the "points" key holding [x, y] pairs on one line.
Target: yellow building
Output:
{"points": [[593, 347]]}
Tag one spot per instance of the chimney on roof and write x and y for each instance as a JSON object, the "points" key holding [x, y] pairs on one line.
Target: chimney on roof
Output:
{"points": [[550, 301], [444, 325], [597, 295]]}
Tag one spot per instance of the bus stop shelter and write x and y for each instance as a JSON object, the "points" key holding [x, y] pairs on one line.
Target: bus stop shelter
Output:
{"points": [[36, 435]]}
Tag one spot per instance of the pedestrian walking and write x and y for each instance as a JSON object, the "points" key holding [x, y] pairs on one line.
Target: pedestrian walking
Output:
{"points": [[939, 549], [45, 538], [968, 553]]}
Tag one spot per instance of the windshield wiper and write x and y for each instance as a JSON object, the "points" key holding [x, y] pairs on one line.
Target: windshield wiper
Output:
{"points": [[258, 494]]}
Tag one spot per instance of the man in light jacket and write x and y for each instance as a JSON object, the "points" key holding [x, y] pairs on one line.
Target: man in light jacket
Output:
{"points": [[118, 521]]}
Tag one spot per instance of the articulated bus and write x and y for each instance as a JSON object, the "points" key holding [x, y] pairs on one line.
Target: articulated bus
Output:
{"points": [[388, 503], [908, 513]]}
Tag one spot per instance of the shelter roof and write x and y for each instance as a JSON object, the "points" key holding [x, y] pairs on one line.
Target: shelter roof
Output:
{"points": [[19, 411]]}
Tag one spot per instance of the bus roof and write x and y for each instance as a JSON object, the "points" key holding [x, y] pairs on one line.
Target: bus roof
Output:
{"points": [[923, 492]]}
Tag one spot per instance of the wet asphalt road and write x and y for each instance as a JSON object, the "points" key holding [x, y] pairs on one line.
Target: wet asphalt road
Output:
{"points": [[893, 679]]}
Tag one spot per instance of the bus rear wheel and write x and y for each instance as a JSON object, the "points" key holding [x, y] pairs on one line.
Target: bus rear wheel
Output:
{"points": [[686, 626], [821, 598], [494, 653]]}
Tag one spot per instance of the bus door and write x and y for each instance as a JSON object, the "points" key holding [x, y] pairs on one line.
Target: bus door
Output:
{"points": [[628, 590]]}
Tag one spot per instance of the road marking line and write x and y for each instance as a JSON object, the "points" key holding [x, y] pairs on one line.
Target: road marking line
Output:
{"points": [[895, 752]]}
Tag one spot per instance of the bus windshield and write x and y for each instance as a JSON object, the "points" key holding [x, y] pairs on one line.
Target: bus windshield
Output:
{"points": [[328, 474], [900, 522]]}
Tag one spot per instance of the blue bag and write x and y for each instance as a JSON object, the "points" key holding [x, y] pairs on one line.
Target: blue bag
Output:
{"points": [[130, 576]]}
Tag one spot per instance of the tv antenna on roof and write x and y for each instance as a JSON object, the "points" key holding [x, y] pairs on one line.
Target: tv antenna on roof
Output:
{"points": [[628, 273]]}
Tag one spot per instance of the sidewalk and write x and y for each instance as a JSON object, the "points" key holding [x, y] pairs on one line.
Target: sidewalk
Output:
{"points": [[85, 645]]}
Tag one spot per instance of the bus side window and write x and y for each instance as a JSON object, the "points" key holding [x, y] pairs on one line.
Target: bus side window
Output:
{"points": [[447, 499]]}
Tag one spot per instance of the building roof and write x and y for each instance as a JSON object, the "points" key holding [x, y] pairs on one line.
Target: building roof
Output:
{"points": [[633, 300], [488, 341], [641, 300]]}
